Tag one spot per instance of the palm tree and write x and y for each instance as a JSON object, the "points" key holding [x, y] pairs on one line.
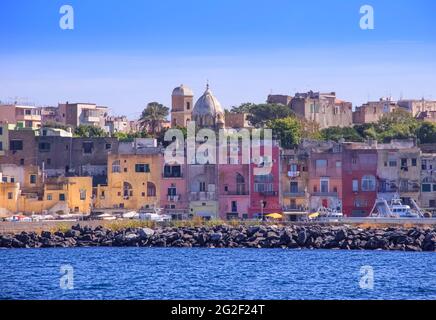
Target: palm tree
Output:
{"points": [[152, 117]]}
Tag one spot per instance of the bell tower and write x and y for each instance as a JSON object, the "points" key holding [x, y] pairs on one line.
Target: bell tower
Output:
{"points": [[181, 107]]}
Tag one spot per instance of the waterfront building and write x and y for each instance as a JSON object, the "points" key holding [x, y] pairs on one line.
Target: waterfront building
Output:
{"points": [[359, 179], [428, 182], [265, 189], [234, 186], [56, 196], [174, 197], [325, 175], [134, 177], [294, 178], [398, 170]]}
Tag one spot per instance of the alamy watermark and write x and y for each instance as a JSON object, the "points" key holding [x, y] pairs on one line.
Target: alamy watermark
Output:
{"points": [[367, 19], [366, 281], [66, 21], [66, 281]]}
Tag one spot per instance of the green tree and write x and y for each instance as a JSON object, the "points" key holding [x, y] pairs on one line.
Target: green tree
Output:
{"points": [[338, 133], [152, 117], [426, 133], [288, 130], [260, 114], [243, 108], [56, 125], [88, 131]]}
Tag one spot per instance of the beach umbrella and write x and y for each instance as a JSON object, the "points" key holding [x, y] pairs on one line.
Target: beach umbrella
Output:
{"points": [[274, 215]]}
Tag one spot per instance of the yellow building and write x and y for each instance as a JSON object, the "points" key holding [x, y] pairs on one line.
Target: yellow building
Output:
{"points": [[58, 196], [134, 176]]}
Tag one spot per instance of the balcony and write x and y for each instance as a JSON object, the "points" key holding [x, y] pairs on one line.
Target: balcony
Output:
{"points": [[325, 194], [293, 174], [174, 198], [172, 175], [235, 193], [298, 194], [202, 196], [268, 193]]}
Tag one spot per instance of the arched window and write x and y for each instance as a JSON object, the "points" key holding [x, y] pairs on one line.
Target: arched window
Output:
{"points": [[368, 183], [151, 189], [116, 166], [127, 189]]}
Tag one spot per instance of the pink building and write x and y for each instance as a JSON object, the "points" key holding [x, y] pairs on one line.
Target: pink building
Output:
{"points": [[265, 189], [233, 189], [174, 193]]}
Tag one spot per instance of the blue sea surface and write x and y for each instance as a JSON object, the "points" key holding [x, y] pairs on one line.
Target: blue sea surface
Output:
{"points": [[172, 273]]}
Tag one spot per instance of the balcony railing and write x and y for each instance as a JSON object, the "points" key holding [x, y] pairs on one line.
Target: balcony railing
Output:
{"points": [[268, 193], [325, 194], [174, 198], [298, 194], [202, 196], [235, 193], [172, 175]]}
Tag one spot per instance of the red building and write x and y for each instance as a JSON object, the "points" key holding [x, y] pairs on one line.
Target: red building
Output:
{"points": [[359, 183], [265, 189]]}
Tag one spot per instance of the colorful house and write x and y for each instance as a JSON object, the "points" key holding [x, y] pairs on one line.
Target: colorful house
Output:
{"points": [[134, 177], [265, 188], [359, 183]]}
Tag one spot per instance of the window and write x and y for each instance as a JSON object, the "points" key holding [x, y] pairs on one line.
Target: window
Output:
{"points": [[12, 180], [49, 161], [33, 179], [1, 145], [368, 183], [414, 162], [226, 188], [188, 105], [22, 162], [426, 187], [87, 147], [62, 197], [82, 194], [392, 163], [172, 191], [202, 186], [294, 187], [294, 168], [16, 145], [240, 184], [355, 185], [432, 203], [127, 190], [151, 189], [140, 167], [338, 164], [324, 185], [49, 197], [403, 163], [108, 146], [44, 146], [234, 206], [321, 164], [116, 167], [1, 131], [172, 171], [10, 195], [424, 164], [5, 179]]}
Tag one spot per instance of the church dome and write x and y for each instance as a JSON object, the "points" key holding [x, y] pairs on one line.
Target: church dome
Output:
{"points": [[207, 105], [183, 91]]}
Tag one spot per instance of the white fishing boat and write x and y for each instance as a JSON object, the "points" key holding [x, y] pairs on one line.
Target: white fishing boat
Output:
{"points": [[396, 209]]}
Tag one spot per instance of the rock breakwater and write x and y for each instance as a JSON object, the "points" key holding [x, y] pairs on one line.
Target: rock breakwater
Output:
{"points": [[285, 237]]}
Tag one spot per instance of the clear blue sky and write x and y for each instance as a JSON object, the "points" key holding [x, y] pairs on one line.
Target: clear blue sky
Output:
{"points": [[124, 54]]}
